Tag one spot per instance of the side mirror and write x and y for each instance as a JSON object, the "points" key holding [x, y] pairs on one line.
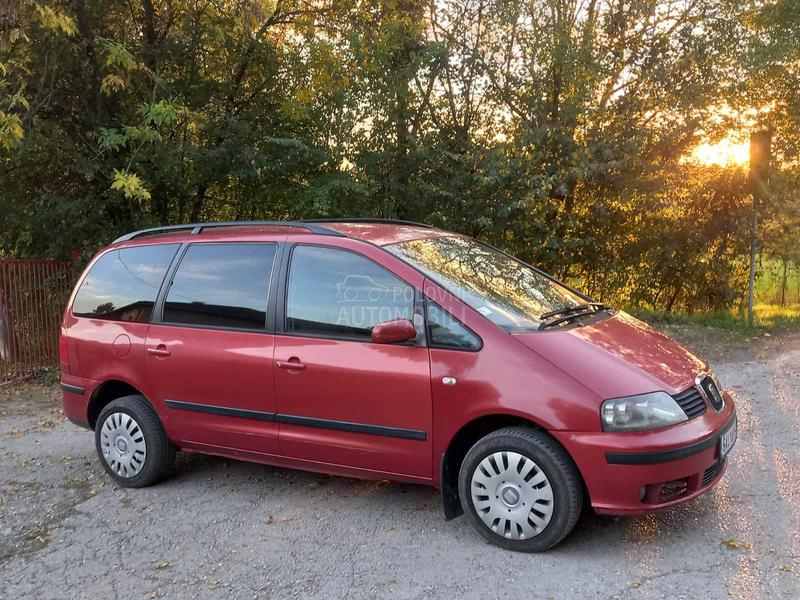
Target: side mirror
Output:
{"points": [[389, 332]]}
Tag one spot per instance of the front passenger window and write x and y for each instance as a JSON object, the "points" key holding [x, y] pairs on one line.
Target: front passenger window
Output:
{"points": [[341, 294]]}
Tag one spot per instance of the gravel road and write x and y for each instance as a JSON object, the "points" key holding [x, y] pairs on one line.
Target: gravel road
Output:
{"points": [[221, 529]]}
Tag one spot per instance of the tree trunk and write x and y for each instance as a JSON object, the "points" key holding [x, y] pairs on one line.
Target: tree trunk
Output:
{"points": [[674, 297], [149, 33], [197, 203], [98, 110]]}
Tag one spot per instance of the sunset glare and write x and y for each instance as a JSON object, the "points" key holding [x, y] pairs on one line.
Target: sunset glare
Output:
{"points": [[723, 153]]}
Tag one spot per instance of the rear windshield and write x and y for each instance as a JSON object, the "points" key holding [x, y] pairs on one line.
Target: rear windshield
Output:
{"points": [[504, 290], [123, 284]]}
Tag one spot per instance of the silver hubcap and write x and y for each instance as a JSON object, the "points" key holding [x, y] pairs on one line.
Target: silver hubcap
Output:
{"points": [[122, 442], [512, 495]]}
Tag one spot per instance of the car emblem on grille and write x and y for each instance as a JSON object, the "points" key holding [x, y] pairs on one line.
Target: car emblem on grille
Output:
{"points": [[708, 388]]}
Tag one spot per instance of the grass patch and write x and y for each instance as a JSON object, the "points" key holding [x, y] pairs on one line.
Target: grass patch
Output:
{"points": [[769, 282], [768, 317]]}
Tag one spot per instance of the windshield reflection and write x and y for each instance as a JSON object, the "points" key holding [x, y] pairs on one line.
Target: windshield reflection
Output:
{"points": [[504, 290]]}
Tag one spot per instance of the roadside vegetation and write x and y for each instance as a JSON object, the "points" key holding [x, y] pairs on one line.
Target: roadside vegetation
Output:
{"points": [[604, 141], [768, 318], [777, 307]]}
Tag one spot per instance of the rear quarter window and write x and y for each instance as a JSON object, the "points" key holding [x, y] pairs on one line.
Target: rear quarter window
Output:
{"points": [[123, 284]]}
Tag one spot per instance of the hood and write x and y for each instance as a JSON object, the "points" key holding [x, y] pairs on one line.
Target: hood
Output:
{"points": [[618, 356]]}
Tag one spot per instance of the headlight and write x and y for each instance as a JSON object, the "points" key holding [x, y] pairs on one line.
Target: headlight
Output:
{"points": [[638, 413]]}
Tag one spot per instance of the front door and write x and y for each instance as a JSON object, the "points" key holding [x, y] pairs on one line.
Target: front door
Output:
{"points": [[210, 352], [341, 398]]}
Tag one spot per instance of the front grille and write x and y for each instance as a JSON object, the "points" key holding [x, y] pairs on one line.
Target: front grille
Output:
{"points": [[692, 403], [712, 472]]}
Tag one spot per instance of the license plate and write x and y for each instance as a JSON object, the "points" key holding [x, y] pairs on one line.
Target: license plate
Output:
{"points": [[727, 440]]}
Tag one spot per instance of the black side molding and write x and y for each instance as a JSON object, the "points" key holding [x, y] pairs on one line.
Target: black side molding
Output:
{"points": [[73, 389], [407, 434], [221, 410], [662, 456]]}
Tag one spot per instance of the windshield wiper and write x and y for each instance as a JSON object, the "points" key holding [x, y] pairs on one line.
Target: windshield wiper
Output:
{"points": [[571, 312], [568, 309]]}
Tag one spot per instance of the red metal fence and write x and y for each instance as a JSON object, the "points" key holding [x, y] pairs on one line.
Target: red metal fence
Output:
{"points": [[33, 294]]}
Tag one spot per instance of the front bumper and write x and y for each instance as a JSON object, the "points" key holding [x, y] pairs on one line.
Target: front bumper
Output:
{"points": [[626, 473]]}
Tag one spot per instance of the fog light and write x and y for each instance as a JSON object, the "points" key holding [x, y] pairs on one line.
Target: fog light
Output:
{"points": [[673, 489], [658, 493]]}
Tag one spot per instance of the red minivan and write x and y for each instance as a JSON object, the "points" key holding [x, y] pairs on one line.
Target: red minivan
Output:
{"points": [[387, 350]]}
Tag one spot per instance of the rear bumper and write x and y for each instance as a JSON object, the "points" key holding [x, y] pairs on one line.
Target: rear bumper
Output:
{"points": [[625, 472], [76, 392]]}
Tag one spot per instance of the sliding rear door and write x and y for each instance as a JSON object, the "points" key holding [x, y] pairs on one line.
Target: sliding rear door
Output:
{"points": [[209, 352]]}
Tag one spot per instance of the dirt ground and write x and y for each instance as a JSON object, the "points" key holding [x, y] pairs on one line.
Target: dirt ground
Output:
{"points": [[222, 529]]}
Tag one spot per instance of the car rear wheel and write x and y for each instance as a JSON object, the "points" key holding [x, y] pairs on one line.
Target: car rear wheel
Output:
{"points": [[520, 489], [131, 442]]}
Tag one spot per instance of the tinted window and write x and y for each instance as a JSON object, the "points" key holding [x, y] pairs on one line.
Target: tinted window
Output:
{"points": [[341, 294], [221, 285], [504, 290], [446, 331], [123, 284]]}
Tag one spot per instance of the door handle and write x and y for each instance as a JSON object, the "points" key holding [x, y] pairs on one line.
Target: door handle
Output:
{"points": [[293, 364], [160, 350]]}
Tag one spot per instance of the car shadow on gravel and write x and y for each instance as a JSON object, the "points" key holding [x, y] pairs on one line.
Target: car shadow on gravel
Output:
{"points": [[388, 504], [214, 471]]}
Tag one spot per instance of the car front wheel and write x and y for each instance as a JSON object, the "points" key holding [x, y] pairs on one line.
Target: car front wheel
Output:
{"points": [[520, 489]]}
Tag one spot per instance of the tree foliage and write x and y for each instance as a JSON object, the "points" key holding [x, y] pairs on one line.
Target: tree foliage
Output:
{"points": [[557, 129]]}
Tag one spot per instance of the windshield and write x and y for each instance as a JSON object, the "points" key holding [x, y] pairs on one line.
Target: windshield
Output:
{"points": [[504, 290]]}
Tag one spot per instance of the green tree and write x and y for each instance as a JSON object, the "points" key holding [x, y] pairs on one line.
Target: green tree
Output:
{"points": [[556, 129]]}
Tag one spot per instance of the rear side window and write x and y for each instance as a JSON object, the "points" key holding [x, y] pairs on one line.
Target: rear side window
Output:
{"points": [[221, 285], [337, 293], [123, 284], [445, 331]]}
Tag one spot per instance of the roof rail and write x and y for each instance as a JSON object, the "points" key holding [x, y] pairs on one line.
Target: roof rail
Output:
{"points": [[197, 228], [367, 220]]}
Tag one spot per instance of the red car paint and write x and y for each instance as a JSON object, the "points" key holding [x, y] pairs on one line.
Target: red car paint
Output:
{"points": [[555, 380]]}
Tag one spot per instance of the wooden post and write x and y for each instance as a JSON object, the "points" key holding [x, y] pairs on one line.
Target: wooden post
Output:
{"points": [[783, 284], [753, 249], [760, 150]]}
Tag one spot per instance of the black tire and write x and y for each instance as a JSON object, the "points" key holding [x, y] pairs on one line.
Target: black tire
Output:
{"points": [[552, 460], [160, 451]]}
